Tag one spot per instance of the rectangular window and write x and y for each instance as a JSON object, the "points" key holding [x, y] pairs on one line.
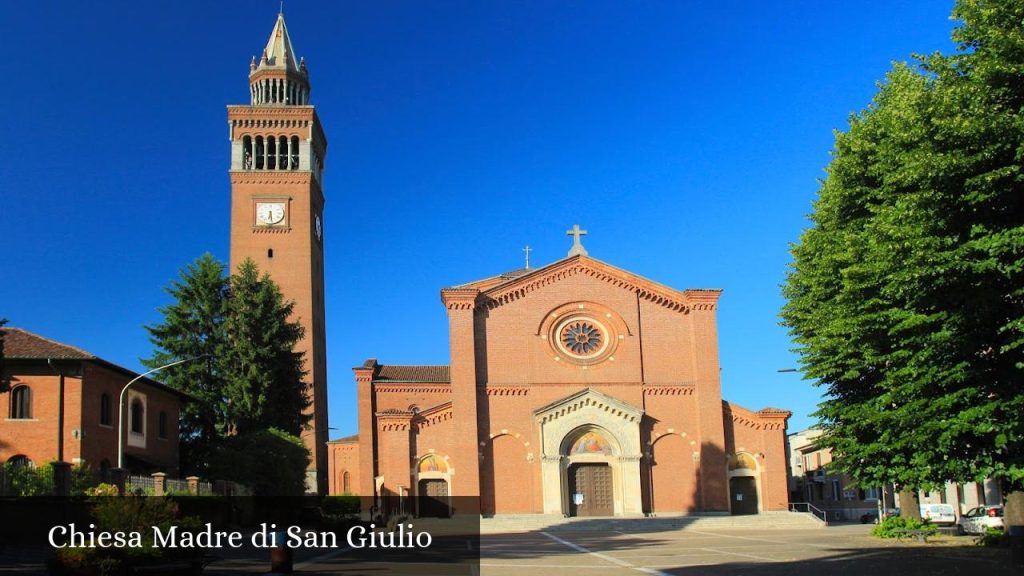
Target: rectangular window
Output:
{"points": [[162, 425], [835, 490]]}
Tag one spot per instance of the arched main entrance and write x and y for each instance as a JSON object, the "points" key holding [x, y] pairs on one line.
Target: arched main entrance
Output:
{"points": [[591, 448], [590, 476]]}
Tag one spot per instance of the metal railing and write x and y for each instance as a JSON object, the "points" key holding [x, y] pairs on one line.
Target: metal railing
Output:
{"points": [[141, 484], [808, 508]]}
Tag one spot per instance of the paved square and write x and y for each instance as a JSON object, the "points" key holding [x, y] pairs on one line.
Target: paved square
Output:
{"points": [[835, 550]]}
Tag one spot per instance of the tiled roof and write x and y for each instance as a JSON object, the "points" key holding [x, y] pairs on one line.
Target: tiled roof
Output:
{"points": [[20, 343], [488, 283], [394, 373], [774, 411], [344, 440]]}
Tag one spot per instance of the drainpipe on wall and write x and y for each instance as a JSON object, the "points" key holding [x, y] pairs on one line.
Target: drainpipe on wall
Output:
{"points": [[60, 410]]}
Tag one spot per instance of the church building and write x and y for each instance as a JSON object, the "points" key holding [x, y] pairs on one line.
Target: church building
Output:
{"points": [[575, 389]]}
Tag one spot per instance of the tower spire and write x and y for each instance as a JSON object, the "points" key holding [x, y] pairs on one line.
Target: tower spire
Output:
{"points": [[277, 77], [279, 47]]}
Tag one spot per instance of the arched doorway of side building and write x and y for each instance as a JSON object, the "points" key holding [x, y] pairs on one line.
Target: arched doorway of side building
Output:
{"points": [[743, 484], [432, 481]]}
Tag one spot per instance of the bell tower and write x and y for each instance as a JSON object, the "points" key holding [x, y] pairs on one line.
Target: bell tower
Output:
{"points": [[277, 201]]}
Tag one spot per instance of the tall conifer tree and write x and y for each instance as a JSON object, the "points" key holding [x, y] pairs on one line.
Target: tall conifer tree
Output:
{"points": [[250, 377]]}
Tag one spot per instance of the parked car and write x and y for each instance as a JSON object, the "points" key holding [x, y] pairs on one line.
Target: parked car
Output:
{"points": [[978, 520], [939, 514], [872, 517]]}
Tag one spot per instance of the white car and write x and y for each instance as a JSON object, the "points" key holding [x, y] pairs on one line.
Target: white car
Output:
{"points": [[939, 514], [978, 520]]}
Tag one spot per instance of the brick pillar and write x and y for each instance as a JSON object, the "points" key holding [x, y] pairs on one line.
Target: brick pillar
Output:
{"points": [[774, 479], [465, 458], [193, 485], [393, 441], [714, 488], [367, 432], [61, 478], [159, 483]]}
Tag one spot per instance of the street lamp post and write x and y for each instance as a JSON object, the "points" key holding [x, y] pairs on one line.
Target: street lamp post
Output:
{"points": [[120, 405]]}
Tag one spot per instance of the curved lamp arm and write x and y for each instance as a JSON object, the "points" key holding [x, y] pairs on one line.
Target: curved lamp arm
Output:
{"points": [[120, 404]]}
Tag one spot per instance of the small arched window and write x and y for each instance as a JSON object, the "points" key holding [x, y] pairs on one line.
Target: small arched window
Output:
{"points": [[21, 403], [346, 483], [137, 415], [105, 409], [260, 153], [247, 153], [20, 461], [294, 151]]}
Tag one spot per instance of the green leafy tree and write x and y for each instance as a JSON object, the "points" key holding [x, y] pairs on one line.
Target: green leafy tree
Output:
{"points": [[250, 378], [906, 296]]}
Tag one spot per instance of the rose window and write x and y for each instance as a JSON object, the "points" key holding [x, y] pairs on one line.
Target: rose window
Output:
{"points": [[581, 338]]}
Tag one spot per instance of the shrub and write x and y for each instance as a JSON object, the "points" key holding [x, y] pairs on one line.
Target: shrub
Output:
{"points": [[28, 480], [896, 526], [993, 537], [345, 505], [271, 462]]}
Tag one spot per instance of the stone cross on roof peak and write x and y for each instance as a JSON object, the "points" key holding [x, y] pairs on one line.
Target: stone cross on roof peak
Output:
{"points": [[577, 247]]}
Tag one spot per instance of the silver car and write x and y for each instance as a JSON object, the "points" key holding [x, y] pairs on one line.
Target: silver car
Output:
{"points": [[980, 519]]}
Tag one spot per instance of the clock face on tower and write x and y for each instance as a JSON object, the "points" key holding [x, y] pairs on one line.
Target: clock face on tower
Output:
{"points": [[318, 227], [270, 213]]}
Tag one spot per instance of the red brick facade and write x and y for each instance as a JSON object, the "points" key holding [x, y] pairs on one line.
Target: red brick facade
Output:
{"points": [[577, 365], [89, 430], [278, 150]]}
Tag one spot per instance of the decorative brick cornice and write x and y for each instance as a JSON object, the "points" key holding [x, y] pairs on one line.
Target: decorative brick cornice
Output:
{"points": [[364, 374], [767, 419], [239, 111], [394, 420], [681, 389], [406, 388], [672, 299], [584, 399], [459, 298], [506, 389], [433, 415], [262, 177]]}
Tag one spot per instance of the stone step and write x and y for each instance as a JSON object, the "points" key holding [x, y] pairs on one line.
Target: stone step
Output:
{"points": [[532, 522]]}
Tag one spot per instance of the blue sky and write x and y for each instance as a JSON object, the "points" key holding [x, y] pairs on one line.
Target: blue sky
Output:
{"points": [[687, 137]]}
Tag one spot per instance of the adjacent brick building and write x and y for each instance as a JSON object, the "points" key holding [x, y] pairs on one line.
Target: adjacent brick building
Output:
{"points": [[577, 388], [31, 431]]}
